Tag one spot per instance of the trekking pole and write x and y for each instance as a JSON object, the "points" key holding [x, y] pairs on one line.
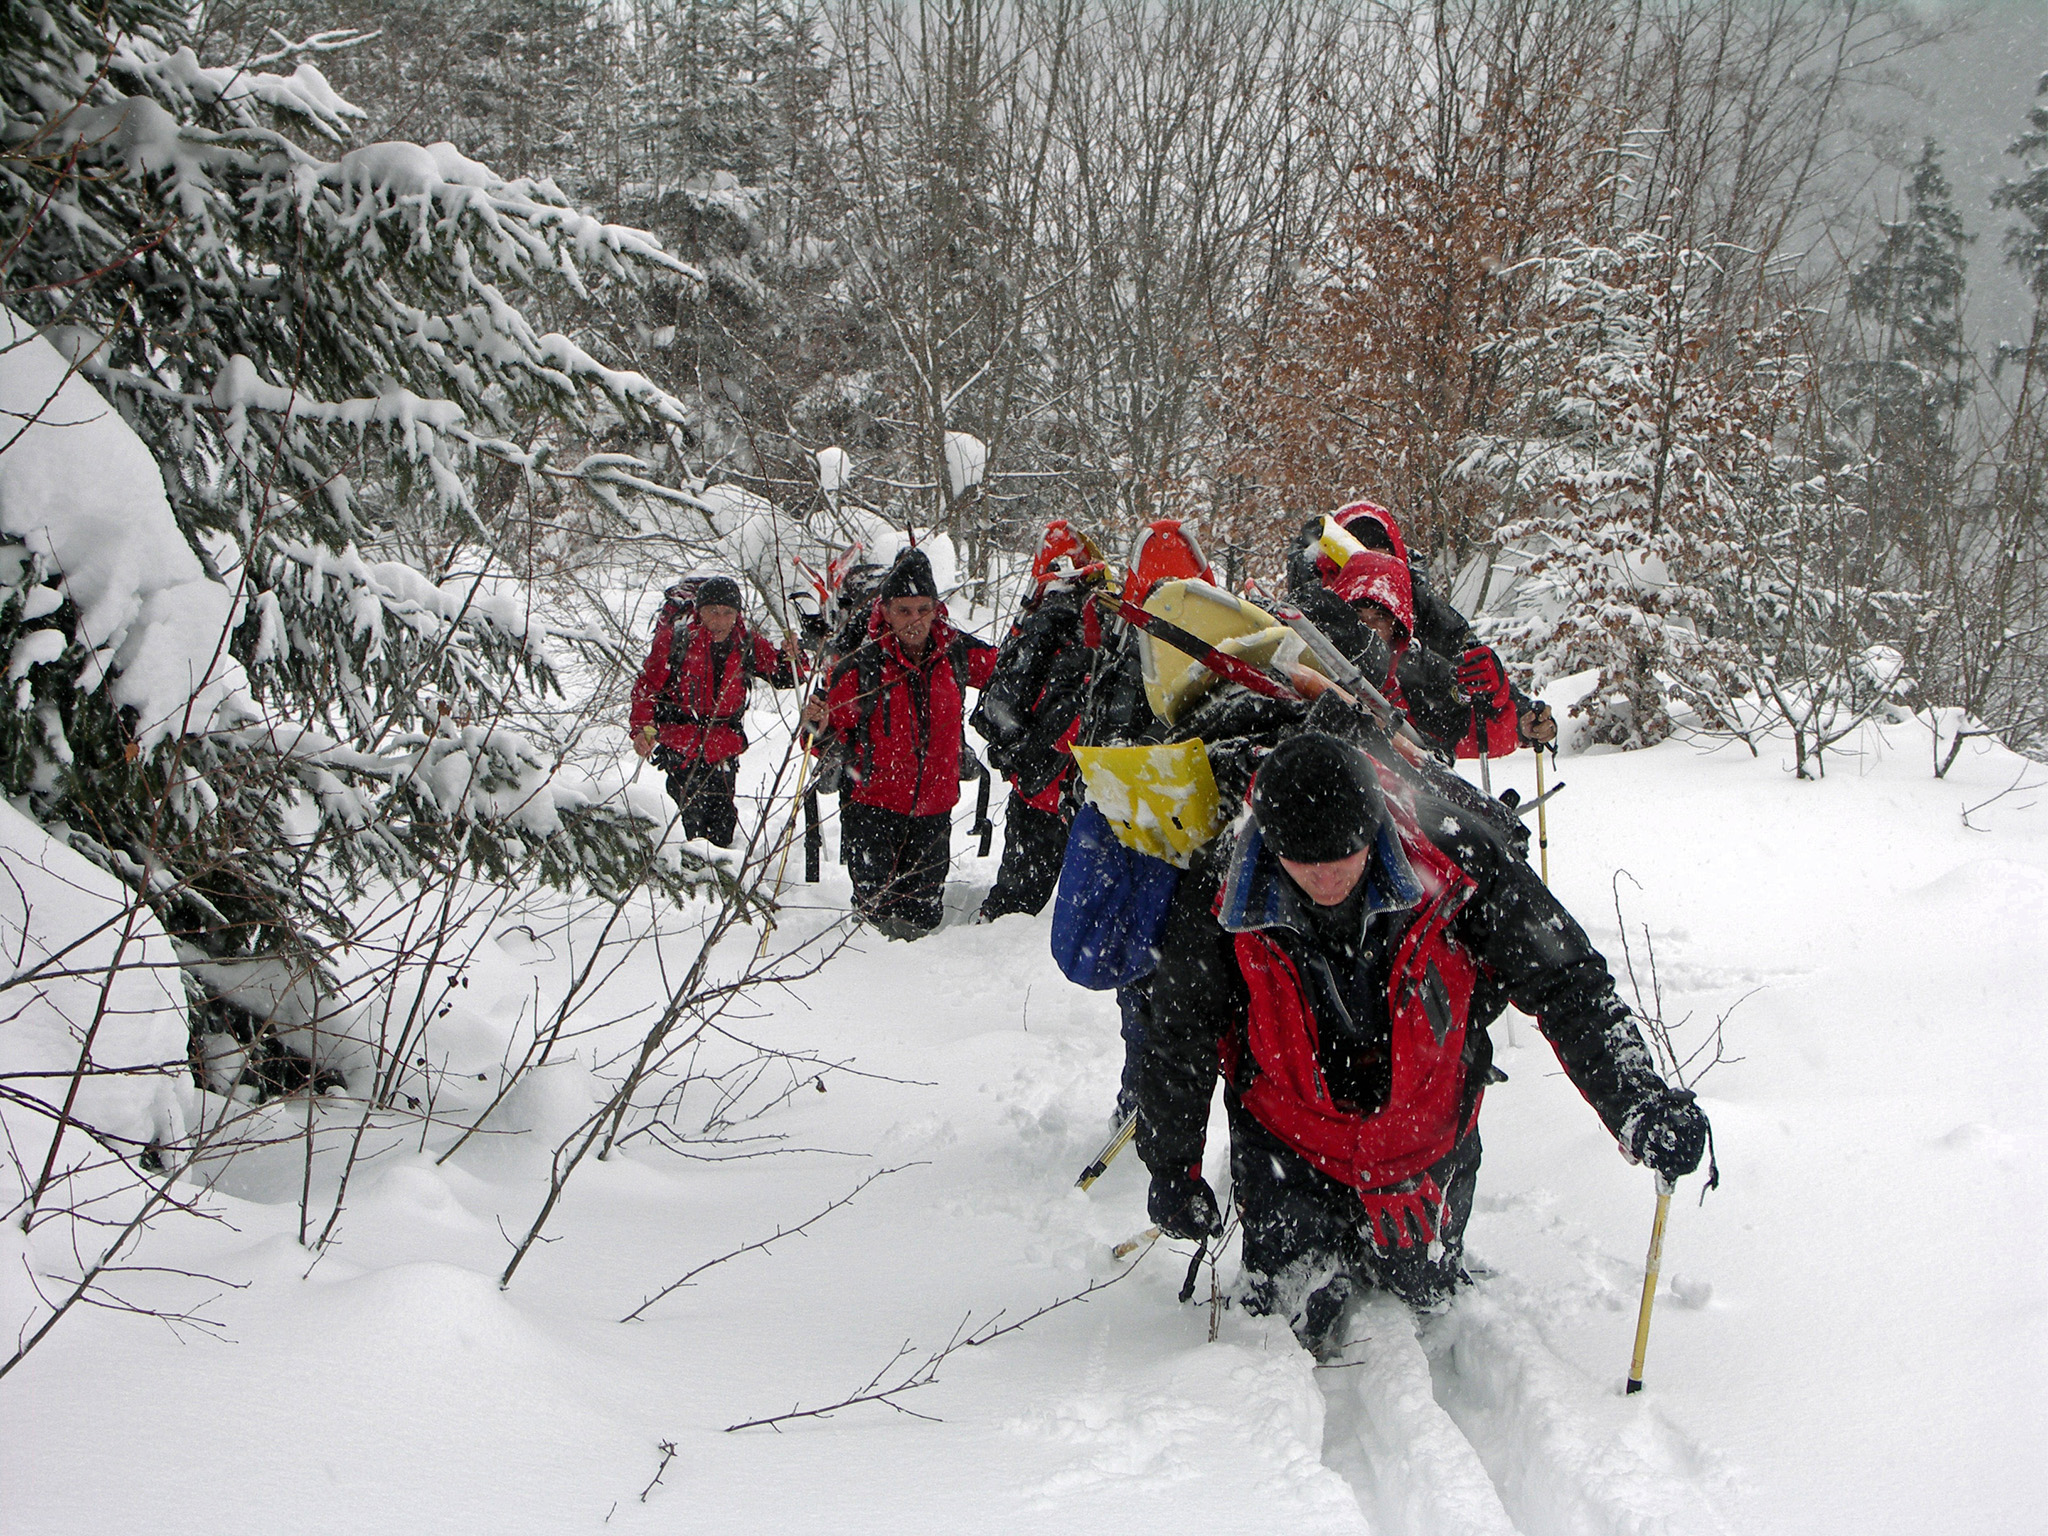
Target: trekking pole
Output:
{"points": [[1542, 818], [803, 771], [814, 837], [1107, 1155], [1479, 730], [983, 827], [1651, 1267], [803, 774]]}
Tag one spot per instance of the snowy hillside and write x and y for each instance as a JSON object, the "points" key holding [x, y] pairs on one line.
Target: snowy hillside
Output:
{"points": [[1851, 1338]]}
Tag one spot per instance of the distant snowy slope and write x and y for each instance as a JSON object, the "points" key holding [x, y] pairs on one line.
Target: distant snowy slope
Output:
{"points": [[1850, 1340]]}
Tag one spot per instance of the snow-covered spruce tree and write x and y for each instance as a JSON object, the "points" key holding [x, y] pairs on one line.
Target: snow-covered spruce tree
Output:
{"points": [[279, 328], [1995, 567], [695, 120], [1905, 385], [1621, 479]]}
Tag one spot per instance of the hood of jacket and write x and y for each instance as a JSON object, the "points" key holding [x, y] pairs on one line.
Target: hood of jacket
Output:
{"points": [[1374, 576], [1370, 511], [1257, 894]]}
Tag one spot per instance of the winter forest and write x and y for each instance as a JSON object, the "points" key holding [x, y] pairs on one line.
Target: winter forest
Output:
{"points": [[407, 1124]]}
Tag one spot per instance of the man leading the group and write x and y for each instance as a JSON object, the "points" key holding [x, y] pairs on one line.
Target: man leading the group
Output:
{"points": [[1364, 936]]}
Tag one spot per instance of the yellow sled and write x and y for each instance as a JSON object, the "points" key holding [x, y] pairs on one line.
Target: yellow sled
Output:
{"points": [[1159, 800], [1234, 625]]}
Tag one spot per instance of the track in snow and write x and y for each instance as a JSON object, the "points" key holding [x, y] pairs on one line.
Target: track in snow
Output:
{"points": [[1470, 1425]]}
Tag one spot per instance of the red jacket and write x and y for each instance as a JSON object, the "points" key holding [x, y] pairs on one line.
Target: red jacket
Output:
{"points": [[1431, 1102], [901, 720], [698, 716]]}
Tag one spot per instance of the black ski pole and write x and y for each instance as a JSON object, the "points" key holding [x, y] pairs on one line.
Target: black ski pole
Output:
{"points": [[814, 837], [983, 827]]}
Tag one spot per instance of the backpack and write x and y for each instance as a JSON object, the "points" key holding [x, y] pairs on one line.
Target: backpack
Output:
{"points": [[1110, 907]]}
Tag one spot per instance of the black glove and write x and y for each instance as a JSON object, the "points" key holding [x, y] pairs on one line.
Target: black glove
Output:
{"points": [[1184, 1206], [1668, 1134]]}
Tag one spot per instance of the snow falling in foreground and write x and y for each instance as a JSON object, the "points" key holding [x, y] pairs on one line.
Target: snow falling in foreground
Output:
{"points": [[1851, 1337]]}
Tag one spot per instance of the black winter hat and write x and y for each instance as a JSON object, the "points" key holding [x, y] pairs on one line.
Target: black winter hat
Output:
{"points": [[718, 592], [1317, 799], [910, 576]]}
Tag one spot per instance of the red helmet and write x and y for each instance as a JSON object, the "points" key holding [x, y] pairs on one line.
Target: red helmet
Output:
{"points": [[1378, 577], [1164, 550], [1351, 514], [1369, 523], [1064, 554]]}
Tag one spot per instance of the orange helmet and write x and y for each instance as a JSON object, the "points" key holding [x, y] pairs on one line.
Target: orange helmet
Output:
{"points": [[1164, 550], [1064, 554]]}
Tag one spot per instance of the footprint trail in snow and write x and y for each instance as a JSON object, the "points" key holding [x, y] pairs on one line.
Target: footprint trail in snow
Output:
{"points": [[1470, 1425]]}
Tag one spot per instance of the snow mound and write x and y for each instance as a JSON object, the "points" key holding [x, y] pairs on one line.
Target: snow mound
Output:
{"points": [[80, 490], [67, 926]]}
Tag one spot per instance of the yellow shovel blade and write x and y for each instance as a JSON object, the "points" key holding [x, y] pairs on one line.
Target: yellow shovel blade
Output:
{"points": [[1236, 626], [1159, 800]]}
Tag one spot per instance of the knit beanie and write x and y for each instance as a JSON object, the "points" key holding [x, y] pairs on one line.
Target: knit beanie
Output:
{"points": [[910, 576], [718, 592], [1317, 799]]}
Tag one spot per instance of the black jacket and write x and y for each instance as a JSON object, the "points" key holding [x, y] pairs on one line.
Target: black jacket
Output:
{"points": [[1530, 951], [1039, 686]]}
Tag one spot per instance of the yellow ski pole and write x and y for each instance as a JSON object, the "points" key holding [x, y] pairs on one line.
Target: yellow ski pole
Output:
{"points": [[803, 772], [1651, 1266], [1542, 817], [1107, 1155]]}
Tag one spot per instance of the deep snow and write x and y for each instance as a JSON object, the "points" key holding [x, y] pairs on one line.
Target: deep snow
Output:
{"points": [[1850, 1339]]}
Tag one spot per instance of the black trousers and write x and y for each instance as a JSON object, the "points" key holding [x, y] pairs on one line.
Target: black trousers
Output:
{"points": [[898, 866], [1034, 847], [1304, 1229], [703, 795]]}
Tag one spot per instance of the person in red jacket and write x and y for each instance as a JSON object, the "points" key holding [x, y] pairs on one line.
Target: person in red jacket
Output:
{"points": [[1030, 713], [1378, 589], [690, 701], [1446, 654], [897, 706], [1337, 963]]}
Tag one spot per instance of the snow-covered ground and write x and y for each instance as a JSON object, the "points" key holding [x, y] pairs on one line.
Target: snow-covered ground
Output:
{"points": [[1850, 1338]]}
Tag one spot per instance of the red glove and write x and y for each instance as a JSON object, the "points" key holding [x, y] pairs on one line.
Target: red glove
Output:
{"points": [[1391, 1210], [1482, 677]]}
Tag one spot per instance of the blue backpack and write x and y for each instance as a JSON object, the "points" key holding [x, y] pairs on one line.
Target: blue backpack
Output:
{"points": [[1110, 908]]}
